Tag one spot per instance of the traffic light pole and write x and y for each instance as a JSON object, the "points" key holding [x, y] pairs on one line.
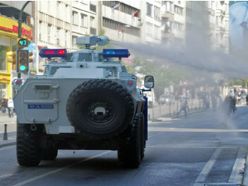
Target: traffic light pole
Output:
{"points": [[19, 36]]}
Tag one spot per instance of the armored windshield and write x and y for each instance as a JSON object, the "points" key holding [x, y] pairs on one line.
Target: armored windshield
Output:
{"points": [[84, 57]]}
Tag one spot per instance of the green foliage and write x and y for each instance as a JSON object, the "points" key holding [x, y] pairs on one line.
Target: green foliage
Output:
{"points": [[102, 32], [164, 75], [242, 82]]}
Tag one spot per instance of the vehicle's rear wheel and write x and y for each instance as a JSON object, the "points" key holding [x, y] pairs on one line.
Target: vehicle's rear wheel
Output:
{"points": [[28, 146], [50, 152], [129, 153]]}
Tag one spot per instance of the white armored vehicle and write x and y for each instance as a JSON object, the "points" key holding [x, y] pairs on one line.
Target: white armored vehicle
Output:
{"points": [[86, 101]]}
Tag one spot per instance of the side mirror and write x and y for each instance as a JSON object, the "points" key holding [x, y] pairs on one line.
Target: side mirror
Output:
{"points": [[149, 81]]}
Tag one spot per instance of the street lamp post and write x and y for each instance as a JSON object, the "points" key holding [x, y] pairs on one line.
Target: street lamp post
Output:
{"points": [[19, 36], [20, 19]]}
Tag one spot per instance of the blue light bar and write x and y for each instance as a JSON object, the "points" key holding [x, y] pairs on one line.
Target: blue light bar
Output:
{"points": [[115, 53], [48, 53]]}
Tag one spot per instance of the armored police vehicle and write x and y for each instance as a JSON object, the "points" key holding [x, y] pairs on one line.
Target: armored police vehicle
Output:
{"points": [[88, 100]]}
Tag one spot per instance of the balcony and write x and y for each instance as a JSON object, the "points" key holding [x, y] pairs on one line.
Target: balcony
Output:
{"points": [[220, 12], [121, 17], [79, 30], [167, 14]]}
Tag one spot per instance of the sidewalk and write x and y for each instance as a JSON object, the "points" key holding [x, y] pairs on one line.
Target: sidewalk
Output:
{"points": [[171, 109], [174, 115], [11, 130]]}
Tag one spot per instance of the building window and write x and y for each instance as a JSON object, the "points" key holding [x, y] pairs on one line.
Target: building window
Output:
{"points": [[168, 6], [74, 38], [109, 3], [92, 31], [120, 27], [49, 34], [83, 20], [217, 21], [75, 17], [67, 13], [66, 38], [178, 10], [58, 36], [59, 9], [92, 21], [92, 8], [40, 31], [149, 29], [156, 13], [149, 9], [178, 26]]}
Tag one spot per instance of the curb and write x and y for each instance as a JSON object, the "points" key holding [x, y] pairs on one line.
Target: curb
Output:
{"points": [[7, 144], [175, 116]]}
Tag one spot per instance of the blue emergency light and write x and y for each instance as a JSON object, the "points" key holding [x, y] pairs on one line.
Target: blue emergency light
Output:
{"points": [[115, 53], [48, 53]]}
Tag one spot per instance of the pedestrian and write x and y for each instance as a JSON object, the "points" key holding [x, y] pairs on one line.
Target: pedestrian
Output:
{"points": [[10, 108], [229, 104], [246, 98], [183, 106]]}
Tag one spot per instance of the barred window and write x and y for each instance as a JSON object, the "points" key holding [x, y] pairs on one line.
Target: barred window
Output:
{"points": [[149, 9]]}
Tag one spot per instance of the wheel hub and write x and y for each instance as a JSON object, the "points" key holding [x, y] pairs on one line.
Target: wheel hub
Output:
{"points": [[100, 112]]}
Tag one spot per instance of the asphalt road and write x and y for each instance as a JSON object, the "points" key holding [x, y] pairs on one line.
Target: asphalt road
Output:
{"points": [[206, 148]]}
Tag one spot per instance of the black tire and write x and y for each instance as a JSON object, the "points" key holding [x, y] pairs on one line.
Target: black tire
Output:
{"points": [[28, 146], [100, 108], [129, 153], [50, 154], [142, 138]]}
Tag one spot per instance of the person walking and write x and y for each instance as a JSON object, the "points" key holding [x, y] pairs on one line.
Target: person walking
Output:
{"points": [[183, 106], [10, 108]]}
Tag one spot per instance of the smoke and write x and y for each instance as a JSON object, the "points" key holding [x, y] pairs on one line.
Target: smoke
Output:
{"points": [[191, 58]]}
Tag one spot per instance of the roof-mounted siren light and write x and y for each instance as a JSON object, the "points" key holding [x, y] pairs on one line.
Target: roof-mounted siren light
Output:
{"points": [[120, 53], [92, 40], [49, 53]]}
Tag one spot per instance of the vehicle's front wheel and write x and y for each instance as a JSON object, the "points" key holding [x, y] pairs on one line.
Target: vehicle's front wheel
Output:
{"points": [[28, 146], [142, 138]]}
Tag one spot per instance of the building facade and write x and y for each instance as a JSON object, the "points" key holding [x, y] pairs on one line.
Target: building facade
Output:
{"points": [[173, 18], [52, 23], [120, 20], [219, 24], [84, 20], [150, 21], [9, 15], [207, 24], [59, 23]]}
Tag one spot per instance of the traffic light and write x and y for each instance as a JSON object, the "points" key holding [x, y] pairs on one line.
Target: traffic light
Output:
{"points": [[22, 42], [23, 61], [11, 57]]}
